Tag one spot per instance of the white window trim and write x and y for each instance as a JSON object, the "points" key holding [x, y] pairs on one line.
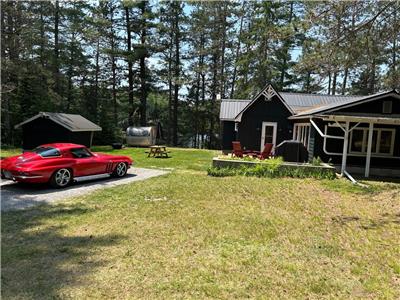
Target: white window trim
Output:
{"points": [[378, 139], [301, 133], [275, 130]]}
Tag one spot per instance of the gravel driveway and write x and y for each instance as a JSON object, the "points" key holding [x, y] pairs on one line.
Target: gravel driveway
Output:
{"points": [[19, 196]]}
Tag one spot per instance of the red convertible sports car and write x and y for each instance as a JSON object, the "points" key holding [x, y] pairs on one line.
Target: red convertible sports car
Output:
{"points": [[61, 163]]}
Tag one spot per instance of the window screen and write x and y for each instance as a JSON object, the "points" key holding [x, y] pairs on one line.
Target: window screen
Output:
{"points": [[387, 107]]}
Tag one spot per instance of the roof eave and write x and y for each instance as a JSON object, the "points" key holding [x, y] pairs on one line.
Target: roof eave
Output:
{"points": [[238, 118], [85, 129], [43, 114], [348, 104]]}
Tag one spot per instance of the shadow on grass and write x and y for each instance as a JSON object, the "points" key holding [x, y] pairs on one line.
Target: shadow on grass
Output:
{"points": [[383, 220], [22, 195], [40, 257], [376, 223], [372, 187], [381, 179]]}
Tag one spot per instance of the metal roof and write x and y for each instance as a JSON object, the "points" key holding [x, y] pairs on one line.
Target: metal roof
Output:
{"points": [[72, 122], [298, 102], [336, 105], [302, 104], [230, 108]]}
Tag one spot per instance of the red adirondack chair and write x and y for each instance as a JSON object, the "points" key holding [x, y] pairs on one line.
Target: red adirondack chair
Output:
{"points": [[237, 150], [266, 153]]}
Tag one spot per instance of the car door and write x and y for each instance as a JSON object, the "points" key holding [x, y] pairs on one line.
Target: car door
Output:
{"points": [[86, 163]]}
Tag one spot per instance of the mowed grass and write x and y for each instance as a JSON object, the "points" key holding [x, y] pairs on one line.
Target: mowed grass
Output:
{"points": [[188, 235]]}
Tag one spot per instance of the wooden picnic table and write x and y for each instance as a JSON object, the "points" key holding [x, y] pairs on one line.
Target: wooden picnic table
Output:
{"points": [[158, 151]]}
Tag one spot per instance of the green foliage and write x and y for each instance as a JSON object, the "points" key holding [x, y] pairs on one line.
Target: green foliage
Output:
{"points": [[272, 168], [316, 161]]}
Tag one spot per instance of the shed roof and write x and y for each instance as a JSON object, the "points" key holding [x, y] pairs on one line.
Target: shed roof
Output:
{"points": [[71, 122]]}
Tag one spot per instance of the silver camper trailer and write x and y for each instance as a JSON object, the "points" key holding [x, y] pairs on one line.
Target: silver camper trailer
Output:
{"points": [[141, 136]]}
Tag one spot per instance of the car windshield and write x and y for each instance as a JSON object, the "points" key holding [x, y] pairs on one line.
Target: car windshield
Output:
{"points": [[81, 153], [47, 151]]}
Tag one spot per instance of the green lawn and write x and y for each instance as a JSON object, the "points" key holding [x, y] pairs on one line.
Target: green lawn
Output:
{"points": [[188, 235]]}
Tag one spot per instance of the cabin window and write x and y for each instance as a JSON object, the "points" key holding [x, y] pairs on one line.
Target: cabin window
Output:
{"points": [[387, 107], [385, 142], [382, 141], [301, 133]]}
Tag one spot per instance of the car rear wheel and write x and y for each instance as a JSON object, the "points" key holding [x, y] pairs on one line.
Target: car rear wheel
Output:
{"points": [[61, 178], [120, 170]]}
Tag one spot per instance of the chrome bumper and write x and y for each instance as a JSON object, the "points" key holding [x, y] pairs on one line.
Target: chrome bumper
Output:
{"points": [[27, 177], [8, 175]]}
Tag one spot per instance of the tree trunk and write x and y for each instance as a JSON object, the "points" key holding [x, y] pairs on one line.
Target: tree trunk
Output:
{"points": [[345, 75], [176, 72], [197, 97], [395, 80], [329, 83], [286, 49], [223, 46], [213, 98], [170, 86], [5, 76], [308, 82], [42, 36], [170, 104], [70, 72], [130, 71], [113, 68], [238, 46], [372, 77], [56, 48], [142, 63], [96, 80], [333, 90], [196, 110]]}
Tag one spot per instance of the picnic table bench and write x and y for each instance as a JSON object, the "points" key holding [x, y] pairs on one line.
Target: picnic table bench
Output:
{"points": [[158, 151]]}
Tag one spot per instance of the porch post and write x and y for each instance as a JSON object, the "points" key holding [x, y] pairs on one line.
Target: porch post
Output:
{"points": [[91, 139], [369, 149], [345, 146], [236, 131]]}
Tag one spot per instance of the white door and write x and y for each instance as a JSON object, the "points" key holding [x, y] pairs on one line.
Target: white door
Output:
{"points": [[268, 134]]}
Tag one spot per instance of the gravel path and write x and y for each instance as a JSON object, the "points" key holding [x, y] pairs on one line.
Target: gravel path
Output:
{"points": [[19, 196]]}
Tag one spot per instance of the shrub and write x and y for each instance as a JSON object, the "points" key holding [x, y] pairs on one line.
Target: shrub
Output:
{"points": [[272, 168], [221, 172], [316, 161]]}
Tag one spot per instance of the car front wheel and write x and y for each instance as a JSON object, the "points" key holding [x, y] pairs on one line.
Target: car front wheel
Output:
{"points": [[61, 178], [120, 170]]}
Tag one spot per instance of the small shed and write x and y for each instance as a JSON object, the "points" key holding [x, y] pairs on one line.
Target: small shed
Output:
{"points": [[48, 127]]}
